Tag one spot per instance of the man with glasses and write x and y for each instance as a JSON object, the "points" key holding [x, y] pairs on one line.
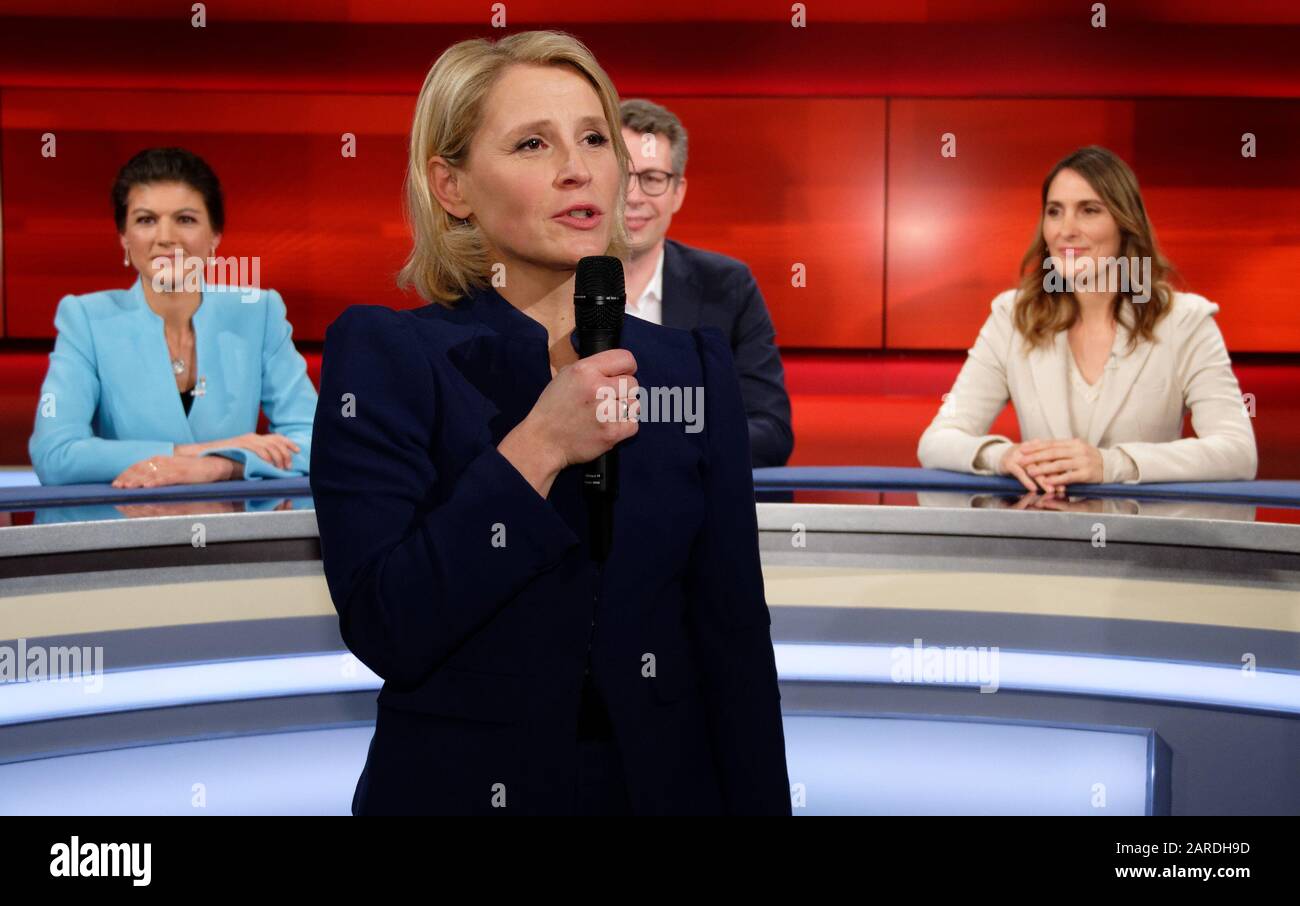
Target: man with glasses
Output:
{"points": [[679, 286]]}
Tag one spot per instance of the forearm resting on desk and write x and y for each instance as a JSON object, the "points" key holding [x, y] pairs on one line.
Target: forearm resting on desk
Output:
{"points": [[236, 471], [1118, 465]]}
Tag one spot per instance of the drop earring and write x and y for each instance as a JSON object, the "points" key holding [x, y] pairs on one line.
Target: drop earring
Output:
{"points": [[126, 258]]}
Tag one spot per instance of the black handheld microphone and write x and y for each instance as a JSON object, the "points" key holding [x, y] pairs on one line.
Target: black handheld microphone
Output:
{"points": [[598, 300]]}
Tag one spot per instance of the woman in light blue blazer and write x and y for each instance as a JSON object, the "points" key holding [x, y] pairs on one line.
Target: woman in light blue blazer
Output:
{"points": [[161, 383]]}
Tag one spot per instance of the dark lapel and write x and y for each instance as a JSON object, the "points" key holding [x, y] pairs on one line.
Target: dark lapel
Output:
{"points": [[683, 295], [505, 358]]}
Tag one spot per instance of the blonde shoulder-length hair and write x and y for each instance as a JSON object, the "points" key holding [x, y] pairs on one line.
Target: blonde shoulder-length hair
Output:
{"points": [[449, 255], [1039, 314]]}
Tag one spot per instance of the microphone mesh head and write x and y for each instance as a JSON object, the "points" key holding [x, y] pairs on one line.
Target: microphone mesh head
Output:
{"points": [[600, 295], [599, 275]]}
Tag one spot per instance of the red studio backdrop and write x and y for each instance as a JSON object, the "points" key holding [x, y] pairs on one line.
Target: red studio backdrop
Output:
{"points": [[817, 149]]}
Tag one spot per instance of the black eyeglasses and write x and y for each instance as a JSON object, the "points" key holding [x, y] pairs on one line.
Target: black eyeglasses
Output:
{"points": [[653, 182]]}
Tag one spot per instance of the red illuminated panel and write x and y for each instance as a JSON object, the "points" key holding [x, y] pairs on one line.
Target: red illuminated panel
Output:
{"points": [[1229, 223], [918, 48], [328, 229], [958, 226], [775, 182], [329, 232], [549, 12]]}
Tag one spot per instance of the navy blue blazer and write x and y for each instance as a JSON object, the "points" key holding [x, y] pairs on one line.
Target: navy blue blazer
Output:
{"points": [[477, 600], [705, 289]]}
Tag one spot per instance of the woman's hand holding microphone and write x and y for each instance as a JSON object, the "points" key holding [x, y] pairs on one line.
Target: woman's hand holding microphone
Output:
{"points": [[563, 428]]}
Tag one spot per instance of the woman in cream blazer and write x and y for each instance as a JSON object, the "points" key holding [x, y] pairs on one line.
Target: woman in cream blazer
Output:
{"points": [[1139, 400], [1139, 411]]}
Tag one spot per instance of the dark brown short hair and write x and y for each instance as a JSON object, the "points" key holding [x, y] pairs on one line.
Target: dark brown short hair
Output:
{"points": [[154, 165]]}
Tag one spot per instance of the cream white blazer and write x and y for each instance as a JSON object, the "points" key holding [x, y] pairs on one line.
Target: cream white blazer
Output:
{"points": [[1140, 410]]}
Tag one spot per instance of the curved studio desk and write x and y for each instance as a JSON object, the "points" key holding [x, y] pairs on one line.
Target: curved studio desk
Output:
{"points": [[1157, 672]]}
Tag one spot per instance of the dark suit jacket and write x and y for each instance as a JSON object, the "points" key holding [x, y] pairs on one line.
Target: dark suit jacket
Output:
{"points": [[474, 597], [705, 289]]}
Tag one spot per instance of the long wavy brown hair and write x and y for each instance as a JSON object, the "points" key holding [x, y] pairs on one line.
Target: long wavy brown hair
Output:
{"points": [[1039, 313]]}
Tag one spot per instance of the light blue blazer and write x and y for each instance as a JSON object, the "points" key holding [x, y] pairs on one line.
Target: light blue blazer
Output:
{"points": [[109, 399]]}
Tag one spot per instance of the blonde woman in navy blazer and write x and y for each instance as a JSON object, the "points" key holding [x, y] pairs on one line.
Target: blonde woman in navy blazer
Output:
{"points": [[148, 388], [521, 675]]}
